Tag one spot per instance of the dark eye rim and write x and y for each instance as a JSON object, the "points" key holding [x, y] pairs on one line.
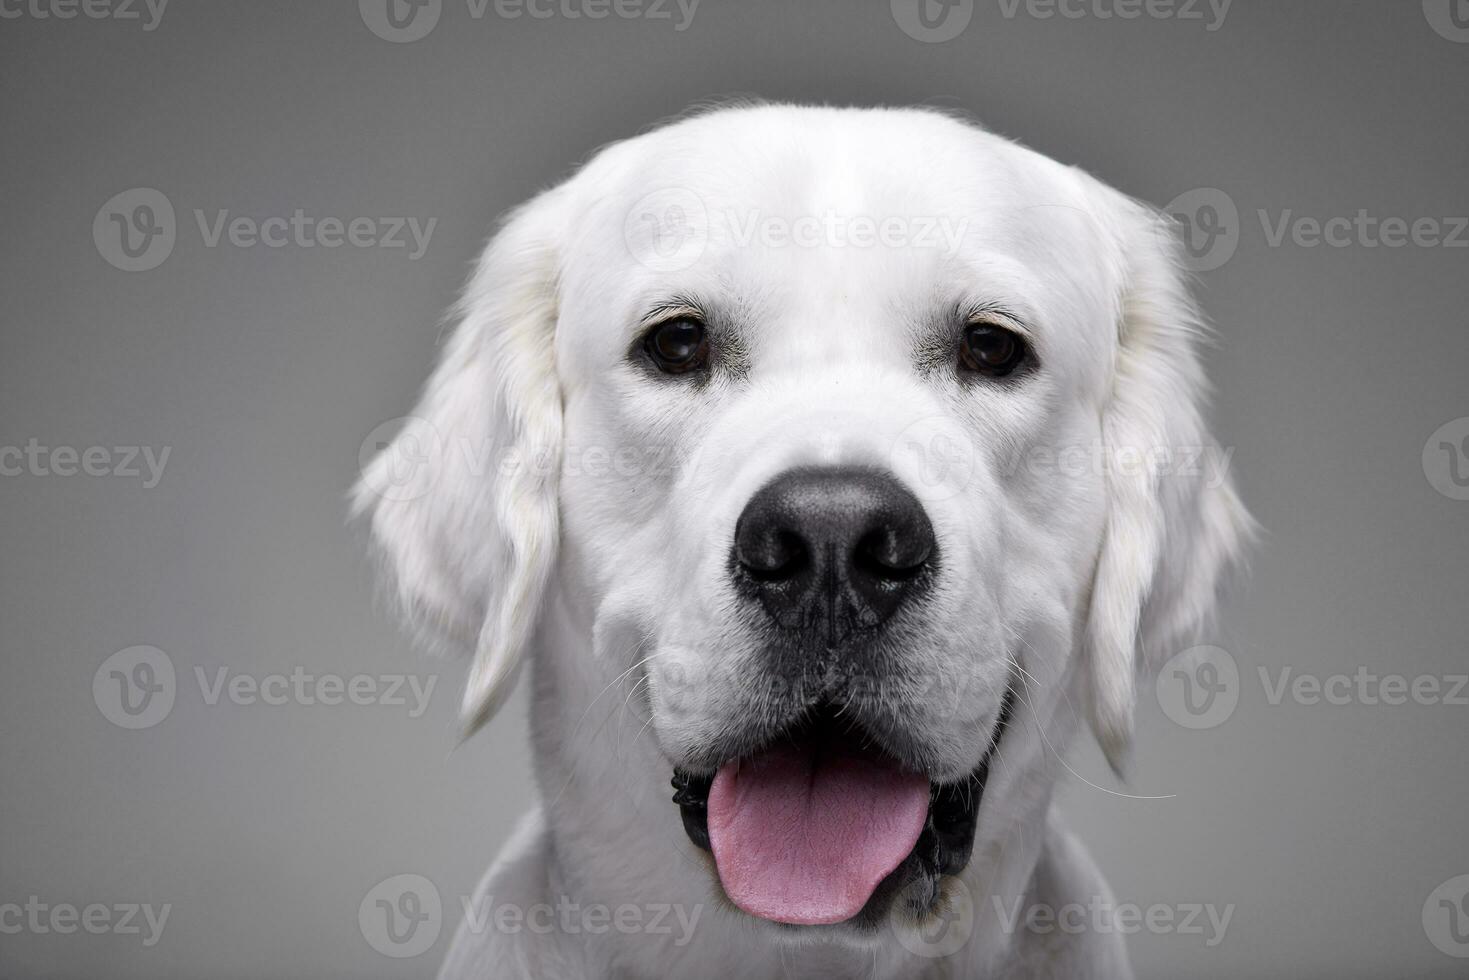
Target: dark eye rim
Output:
{"points": [[1021, 362], [697, 363]]}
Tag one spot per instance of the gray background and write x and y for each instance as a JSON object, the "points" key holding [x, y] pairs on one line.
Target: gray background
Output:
{"points": [[264, 369]]}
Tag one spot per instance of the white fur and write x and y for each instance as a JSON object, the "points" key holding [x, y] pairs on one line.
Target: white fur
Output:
{"points": [[613, 578]]}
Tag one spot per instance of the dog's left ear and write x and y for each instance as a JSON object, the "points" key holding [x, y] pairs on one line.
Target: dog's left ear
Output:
{"points": [[470, 537], [1174, 525]]}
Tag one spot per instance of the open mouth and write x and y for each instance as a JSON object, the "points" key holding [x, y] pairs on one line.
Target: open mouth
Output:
{"points": [[822, 826]]}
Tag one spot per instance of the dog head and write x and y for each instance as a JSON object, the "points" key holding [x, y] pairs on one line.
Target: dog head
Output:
{"points": [[846, 431]]}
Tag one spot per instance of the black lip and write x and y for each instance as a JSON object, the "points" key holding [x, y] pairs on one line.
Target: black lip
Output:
{"points": [[943, 848]]}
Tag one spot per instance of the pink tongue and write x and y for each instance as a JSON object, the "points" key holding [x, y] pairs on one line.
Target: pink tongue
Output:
{"points": [[804, 836]]}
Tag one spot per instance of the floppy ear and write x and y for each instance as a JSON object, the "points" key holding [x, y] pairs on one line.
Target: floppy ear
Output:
{"points": [[470, 541], [1172, 530]]}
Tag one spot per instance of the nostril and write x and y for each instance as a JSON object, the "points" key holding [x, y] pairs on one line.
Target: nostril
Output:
{"points": [[776, 556], [886, 553]]}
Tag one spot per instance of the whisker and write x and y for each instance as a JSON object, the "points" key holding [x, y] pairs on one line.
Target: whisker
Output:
{"points": [[1040, 730], [574, 757]]}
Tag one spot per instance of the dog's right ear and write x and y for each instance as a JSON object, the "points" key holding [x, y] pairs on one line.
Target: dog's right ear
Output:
{"points": [[462, 502], [1173, 535]]}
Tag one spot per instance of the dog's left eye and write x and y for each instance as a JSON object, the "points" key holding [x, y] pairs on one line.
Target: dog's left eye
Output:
{"points": [[991, 350], [678, 346]]}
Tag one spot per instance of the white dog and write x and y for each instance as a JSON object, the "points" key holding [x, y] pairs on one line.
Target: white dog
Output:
{"points": [[834, 465]]}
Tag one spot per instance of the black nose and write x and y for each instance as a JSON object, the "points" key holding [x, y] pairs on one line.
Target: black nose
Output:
{"points": [[833, 551]]}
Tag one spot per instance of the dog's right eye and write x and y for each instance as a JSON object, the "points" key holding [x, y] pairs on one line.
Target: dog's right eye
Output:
{"points": [[678, 346], [991, 350]]}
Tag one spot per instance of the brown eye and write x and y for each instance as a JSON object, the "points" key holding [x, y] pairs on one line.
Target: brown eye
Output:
{"points": [[678, 346], [991, 350]]}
